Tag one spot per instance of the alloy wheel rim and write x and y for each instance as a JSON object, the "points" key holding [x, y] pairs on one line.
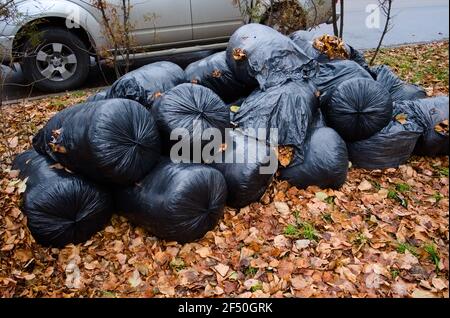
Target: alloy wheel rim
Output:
{"points": [[56, 62]]}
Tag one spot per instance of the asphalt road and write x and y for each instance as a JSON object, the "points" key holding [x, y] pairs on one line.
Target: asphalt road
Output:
{"points": [[414, 21]]}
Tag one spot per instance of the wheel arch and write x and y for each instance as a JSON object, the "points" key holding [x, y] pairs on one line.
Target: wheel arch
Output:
{"points": [[38, 24]]}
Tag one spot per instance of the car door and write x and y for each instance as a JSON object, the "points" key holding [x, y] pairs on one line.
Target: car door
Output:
{"points": [[160, 23], [214, 19]]}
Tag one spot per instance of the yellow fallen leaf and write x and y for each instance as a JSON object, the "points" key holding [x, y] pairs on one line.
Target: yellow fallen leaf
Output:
{"points": [[402, 118], [235, 109]]}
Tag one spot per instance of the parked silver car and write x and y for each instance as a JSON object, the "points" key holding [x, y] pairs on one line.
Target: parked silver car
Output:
{"points": [[61, 57]]}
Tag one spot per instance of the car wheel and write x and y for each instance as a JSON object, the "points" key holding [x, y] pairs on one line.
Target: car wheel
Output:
{"points": [[58, 63]]}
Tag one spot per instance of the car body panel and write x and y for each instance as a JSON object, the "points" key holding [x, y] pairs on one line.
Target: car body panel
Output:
{"points": [[215, 19], [160, 22]]}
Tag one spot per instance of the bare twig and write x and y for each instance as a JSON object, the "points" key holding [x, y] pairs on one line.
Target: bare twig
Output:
{"points": [[341, 29], [386, 7], [335, 26]]}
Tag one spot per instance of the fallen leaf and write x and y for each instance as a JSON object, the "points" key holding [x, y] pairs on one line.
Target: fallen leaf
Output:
{"points": [[13, 142], [204, 252], [282, 208], [302, 244], [135, 279], [365, 186], [439, 283], [420, 293], [222, 269]]}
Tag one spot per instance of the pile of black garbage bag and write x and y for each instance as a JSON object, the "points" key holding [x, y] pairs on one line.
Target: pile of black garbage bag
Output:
{"points": [[116, 152]]}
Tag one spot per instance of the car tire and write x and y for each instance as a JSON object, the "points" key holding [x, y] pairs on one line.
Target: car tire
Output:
{"points": [[58, 63]]}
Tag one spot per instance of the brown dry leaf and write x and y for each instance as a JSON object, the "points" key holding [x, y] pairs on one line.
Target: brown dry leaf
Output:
{"points": [[13, 142], [248, 284], [135, 279], [222, 269], [439, 283], [281, 242], [285, 269], [332, 46], [57, 148], [239, 54], [365, 186], [442, 128], [204, 251], [282, 208], [73, 276], [285, 155], [216, 74], [420, 293]]}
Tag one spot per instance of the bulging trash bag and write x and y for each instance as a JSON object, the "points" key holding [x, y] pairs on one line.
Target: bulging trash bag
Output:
{"points": [[398, 89], [258, 54], [111, 141], [192, 108], [359, 108], [213, 72], [288, 108], [248, 166], [432, 116], [334, 73], [305, 40], [148, 83], [389, 148], [176, 202], [61, 208], [325, 165], [102, 95]]}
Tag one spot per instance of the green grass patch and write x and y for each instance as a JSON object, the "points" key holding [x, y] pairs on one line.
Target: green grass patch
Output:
{"points": [[394, 195], [403, 187], [250, 271], [433, 254], [402, 247]]}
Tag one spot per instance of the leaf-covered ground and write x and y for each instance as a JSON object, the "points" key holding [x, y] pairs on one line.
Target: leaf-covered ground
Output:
{"points": [[384, 234]]}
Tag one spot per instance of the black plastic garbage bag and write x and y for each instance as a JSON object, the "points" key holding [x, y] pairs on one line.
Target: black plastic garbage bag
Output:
{"points": [[176, 202], [194, 109], [213, 72], [258, 54], [399, 89], [432, 114], [102, 95], [389, 148], [61, 208], [288, 108], [359, 108], [334, 73], [326, 162], [305, 40], [111, 141], [248, 166], [148, 83], [319, 120]]}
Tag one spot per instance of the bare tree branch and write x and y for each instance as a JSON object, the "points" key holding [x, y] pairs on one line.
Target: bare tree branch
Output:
{"points": [[341, 29], [386, 7]]}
